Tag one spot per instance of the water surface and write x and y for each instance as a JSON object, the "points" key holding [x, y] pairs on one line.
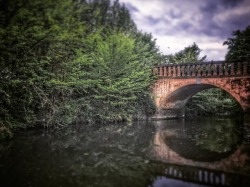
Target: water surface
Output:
{"points": [[190, 152]]}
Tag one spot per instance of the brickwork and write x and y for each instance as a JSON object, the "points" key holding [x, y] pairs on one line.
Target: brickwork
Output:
{"points": [[176, 84]]}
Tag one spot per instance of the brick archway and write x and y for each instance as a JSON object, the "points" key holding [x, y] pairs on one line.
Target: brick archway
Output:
{"points": [[176, 84]]}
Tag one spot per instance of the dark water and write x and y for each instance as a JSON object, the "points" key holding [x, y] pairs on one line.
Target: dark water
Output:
{"points": [[191, 152]]}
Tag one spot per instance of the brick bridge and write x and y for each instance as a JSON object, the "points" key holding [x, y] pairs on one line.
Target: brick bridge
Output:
{"points": [[177, 83]]}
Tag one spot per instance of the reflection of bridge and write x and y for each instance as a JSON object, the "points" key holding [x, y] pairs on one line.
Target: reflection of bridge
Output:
{"points": [[201, 175], [177, 83], [204, 176], [217, 173]]}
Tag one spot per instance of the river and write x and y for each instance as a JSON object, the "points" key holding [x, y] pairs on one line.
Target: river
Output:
{"points": [[180, 152]]}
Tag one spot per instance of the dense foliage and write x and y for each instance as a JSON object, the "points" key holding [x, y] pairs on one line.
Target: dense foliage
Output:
{"points": [[238, 46], [63, 61], [210, 102]]}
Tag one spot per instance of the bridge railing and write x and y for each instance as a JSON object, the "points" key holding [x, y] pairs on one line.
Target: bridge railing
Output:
{"points": [[204, 176], [204, 69]]}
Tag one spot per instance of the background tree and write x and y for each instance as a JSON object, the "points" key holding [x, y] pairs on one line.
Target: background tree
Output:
{"points": [[238, 46], [212, 102], [189, 54], [102, 14]]}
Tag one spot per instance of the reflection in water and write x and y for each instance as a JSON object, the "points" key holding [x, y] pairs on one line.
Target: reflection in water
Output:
{"points": [[204, 139], [165, 182], [215, 145], [143, 154]]}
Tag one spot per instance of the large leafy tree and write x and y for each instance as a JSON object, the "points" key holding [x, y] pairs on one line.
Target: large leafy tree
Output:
{"points": [[120, 80], [67, 60], [238, 46]]}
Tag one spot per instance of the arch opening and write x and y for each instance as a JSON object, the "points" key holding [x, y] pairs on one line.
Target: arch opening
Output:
{"points": [[212, 102], [173, 106]]}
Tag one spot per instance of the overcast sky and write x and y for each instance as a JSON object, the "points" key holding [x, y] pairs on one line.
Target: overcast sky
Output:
{"points": [[178, 23]]}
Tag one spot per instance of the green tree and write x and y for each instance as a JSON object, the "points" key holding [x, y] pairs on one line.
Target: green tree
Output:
{"points": [[238, 46], [63, 61], [187, 55], [119, 78], [38, 39], [146, 44], [102, 14]]}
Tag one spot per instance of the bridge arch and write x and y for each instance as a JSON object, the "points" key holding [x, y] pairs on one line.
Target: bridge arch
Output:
{"points": [[176, 84], [177, 100]]}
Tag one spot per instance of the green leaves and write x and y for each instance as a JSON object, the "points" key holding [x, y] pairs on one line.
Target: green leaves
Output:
{"points": [[212, 102], [63, 61], [37, 47], [187, 55], [120, 75], [238, 46]]}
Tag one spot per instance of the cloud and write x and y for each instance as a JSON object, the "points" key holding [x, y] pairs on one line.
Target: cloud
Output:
{"points": [[177, 24], [131, 7]]}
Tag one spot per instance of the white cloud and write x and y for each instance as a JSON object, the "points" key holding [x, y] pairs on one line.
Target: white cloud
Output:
{"points": [[180, 23], [210, 47]]}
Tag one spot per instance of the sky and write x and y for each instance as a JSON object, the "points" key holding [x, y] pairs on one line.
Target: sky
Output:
{"points": [[176, 24]]}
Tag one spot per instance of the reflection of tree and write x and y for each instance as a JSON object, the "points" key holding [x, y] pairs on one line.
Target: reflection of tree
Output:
{"points": [[204, 139], [85, 155], [219, 137], [111, 155]]}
